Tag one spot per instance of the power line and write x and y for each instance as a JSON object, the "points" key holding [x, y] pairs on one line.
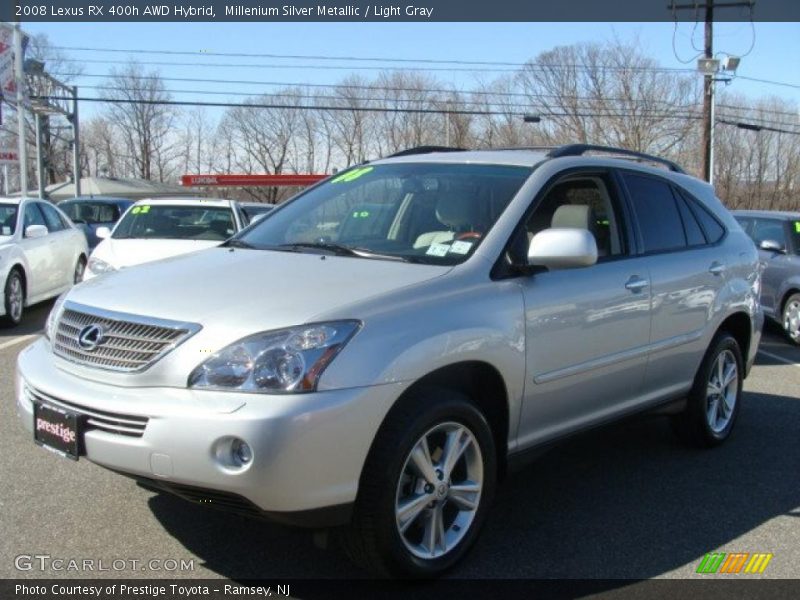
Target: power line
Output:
{"points": [[366, 87], [770, 82], [427, 100], [362, 59], [348, 108], [533, 66]]}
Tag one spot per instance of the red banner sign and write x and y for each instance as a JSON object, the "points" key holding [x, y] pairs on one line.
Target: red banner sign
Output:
{"points": [[250, 180]]}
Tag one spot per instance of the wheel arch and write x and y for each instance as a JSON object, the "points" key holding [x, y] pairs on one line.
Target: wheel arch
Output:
{"points": [[739, 325], [483, 384]]}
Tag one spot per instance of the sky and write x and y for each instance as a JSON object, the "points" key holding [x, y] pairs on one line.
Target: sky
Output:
{"points": [[769, 50]]}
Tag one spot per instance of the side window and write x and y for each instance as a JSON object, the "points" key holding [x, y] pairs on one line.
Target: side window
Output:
{"points": [[746, 224], [694, 233], [51, 217], [713, 230], [580, 201], [769, 229], [33, 216], [656, 212]]}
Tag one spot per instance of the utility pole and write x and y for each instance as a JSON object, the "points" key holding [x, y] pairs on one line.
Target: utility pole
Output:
{"points": [[709, 81], [708, 99], [20, 83]]}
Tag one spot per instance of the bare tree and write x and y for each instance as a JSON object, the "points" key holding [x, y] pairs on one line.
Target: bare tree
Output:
{"points": [[611, 94], [136, 105]]}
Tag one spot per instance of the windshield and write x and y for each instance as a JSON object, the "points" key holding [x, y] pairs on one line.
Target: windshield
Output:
{"points": [[90, 212], [423, 212], [8, 219], [175, 222]]}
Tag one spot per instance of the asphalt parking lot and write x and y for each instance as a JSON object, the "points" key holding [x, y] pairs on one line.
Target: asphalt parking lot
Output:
{"points": [[627, 501]]}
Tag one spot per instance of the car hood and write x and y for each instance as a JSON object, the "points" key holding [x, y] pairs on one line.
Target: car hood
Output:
{"points": [[123, 253], [244, 291]]}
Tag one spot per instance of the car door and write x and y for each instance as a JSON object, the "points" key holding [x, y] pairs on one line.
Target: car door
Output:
{"points": [[586, 329], [687, 267], [62, 243], [778, 265], [38, 252]]}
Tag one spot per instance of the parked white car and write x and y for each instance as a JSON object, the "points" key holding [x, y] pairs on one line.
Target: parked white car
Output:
{"points": [[42, 253], [160, 228]]}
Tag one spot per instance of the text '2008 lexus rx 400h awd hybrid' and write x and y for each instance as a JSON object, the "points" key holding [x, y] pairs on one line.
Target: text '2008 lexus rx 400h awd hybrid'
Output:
{"points": [[377, 352]]}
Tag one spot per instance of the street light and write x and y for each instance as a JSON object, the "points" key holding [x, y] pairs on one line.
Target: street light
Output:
{"points": [[531, 118]]}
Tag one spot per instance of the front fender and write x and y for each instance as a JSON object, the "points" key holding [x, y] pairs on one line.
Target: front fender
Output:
{"points": [[406, 341]]}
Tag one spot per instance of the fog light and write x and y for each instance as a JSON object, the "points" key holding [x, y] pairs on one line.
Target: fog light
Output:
{"points": [[242, 454]]}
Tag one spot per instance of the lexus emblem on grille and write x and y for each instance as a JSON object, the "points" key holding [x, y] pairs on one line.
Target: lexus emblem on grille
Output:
{"points": [[90, 337]]}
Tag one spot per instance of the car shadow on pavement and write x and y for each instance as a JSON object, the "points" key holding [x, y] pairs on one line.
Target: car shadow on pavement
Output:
{"points": [[628, 501]]}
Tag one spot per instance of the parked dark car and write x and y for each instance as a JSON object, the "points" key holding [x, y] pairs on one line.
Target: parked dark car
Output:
{"points": [[777, 235], [252, 211], [93, 212]]}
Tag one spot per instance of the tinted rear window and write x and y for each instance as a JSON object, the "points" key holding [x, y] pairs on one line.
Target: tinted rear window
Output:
{"points": [[656, 212]]}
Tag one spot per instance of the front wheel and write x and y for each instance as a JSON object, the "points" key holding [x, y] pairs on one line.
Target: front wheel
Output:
{"points": [[14, 294], [791, 318], [426, 487], [713, 402]]}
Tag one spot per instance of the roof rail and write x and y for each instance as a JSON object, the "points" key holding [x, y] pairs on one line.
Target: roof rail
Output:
{"points": [[580, 149], [425, 150]]}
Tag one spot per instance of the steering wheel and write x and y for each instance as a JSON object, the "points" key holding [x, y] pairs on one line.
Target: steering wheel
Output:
{"points": [[469, 235]]}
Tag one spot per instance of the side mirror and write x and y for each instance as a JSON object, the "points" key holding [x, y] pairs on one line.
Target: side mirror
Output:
{"points": [[103, 233], [562, 248], [35, 231], [772, 246]]}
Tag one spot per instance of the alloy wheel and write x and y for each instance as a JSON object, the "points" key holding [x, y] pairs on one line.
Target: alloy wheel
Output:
{"points": [[15, 298], [439, 490], [791, 319], [722, 391]]}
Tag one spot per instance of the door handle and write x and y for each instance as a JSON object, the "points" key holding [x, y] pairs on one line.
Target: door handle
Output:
{"points": [[636, 284], [717, 268]]}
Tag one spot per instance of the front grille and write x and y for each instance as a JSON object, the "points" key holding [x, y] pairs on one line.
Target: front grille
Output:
{"points": [[130, 425], [129, 342]]}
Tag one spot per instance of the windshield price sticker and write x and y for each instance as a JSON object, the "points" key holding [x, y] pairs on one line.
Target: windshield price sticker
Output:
{"points": [[460, 247], [797, 226], [6, 230], [140, 210], [437, 250]]}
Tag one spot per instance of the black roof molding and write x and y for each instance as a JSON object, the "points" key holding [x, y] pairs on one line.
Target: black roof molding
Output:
{"points": [[581, 149]]}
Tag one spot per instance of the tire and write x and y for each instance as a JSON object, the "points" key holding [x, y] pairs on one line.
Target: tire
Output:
{"points": [[791, 319], [712, 408], [390, 480], [14, 296], [80, 269]]}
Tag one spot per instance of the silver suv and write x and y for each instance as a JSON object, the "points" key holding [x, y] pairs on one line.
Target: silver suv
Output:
{"points": [[777, 235], [380, 349]]}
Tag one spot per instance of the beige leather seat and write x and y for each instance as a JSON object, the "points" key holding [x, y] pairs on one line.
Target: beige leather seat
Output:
{"points": [[457, 213]]}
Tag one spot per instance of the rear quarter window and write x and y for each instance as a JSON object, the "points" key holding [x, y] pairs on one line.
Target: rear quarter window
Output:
{"points": [[713, 229]]}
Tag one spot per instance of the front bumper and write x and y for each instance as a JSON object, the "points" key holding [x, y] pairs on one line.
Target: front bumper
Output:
{"points": [[308, 449]]}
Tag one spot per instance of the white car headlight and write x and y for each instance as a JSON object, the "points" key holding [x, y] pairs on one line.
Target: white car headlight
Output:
{"points": [[285, 360], [54, 316], [98, 267]]}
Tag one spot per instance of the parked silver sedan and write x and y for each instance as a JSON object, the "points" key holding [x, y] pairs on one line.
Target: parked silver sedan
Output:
{"points": [[777, 236]]}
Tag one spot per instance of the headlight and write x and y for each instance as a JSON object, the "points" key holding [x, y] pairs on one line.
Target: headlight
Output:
{"points": [[98, 267], [52, 318], [286, 360]]}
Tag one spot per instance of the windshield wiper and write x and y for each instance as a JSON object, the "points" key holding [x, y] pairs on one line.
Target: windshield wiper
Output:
{"points": [[342, 250]]}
